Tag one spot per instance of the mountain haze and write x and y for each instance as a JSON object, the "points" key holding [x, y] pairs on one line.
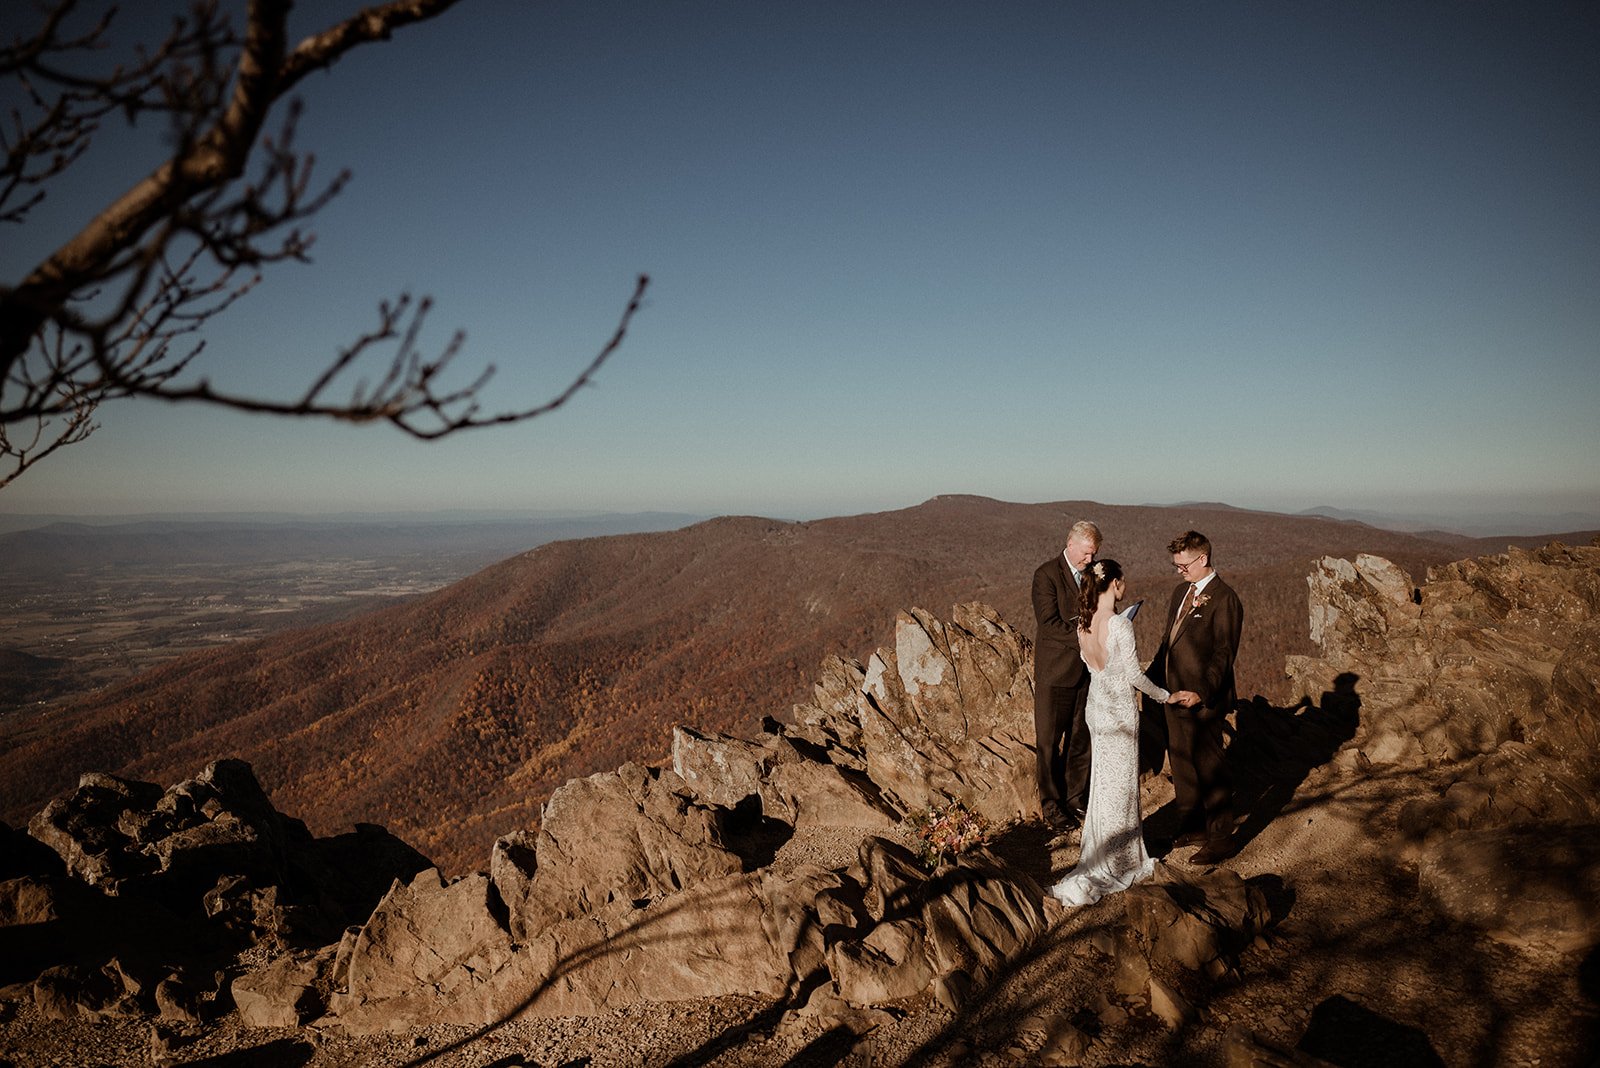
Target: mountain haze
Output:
{"points": [[451, 717], [58, 548]]}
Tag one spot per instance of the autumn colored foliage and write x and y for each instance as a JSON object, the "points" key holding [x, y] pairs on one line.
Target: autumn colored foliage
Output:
{"points": [[450, 718]]}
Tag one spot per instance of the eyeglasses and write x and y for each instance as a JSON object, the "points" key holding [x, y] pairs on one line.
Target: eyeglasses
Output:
{"points": [[1183, 566]]}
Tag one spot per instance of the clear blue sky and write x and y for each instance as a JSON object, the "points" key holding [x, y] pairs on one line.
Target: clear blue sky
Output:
{"points": [[1277, 255]]}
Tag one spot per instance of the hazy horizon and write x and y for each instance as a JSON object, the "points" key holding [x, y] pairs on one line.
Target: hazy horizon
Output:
{"points": [[1480, 523]]}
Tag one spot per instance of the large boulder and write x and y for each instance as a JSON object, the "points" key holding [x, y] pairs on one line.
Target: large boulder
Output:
{"points": [[883, 931], [832, 718], [100, 829], [1198, 920], [428, 945], [790, 777], [720, 769], [513, 861], [889, 964], [121, 836], [432, 955], [1489, 655], [749, 933], [1358, 607], [978, 913], [945, 715], [808, 794], [948, 929], [175, 875], [289, 990], [116, 989], [630, 835], [58, 921]]}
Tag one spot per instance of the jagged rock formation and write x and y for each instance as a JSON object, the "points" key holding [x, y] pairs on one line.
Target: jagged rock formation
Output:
{"points": [[639, 884], [1488, 677], [658, 884], [946, 715], [699, 879], [145, 890], [1491, 658]]}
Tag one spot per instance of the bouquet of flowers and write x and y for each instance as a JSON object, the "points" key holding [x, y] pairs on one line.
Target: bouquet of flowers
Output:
{"points": [[947, 830]]}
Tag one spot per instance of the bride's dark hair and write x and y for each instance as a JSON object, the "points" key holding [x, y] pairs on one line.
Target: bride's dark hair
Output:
{"points": [[1096, 577]]}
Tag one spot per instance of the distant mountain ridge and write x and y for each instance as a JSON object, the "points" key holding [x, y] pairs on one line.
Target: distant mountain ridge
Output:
{"points": [[451, 717], [77, 545], [467, 516], [1572, 525]]}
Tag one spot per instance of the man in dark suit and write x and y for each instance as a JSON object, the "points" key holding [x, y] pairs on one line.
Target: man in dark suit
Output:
{"points": [[1060, 681], [1197, 653]]}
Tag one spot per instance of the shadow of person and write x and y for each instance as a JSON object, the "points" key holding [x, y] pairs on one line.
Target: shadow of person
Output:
{"points": [[1589, 985], [1273, 749], [1270, 751], [828, 1048], [1349, 1034], [1026, 847], [1161, 825]]}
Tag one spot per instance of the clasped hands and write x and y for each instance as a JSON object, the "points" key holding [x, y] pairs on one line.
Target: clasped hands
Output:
{"points": [[1184, 698]]}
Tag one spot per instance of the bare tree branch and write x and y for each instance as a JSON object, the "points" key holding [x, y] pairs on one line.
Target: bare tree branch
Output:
{"points": [[69, 422], [117, 310], [409, 396]]}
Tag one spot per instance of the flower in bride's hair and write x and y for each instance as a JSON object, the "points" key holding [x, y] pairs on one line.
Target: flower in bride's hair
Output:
{"points": [[1099, 570]]}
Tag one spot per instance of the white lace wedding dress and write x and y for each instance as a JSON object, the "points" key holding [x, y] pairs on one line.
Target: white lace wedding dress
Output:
{"points": [[1113, 856]]}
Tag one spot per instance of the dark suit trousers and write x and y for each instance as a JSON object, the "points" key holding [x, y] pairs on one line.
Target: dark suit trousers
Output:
{"points": [[1203, 792], [1062, 740]]}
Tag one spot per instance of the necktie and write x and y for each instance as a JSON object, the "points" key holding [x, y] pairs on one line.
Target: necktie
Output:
{"points": [[1183, 611]]}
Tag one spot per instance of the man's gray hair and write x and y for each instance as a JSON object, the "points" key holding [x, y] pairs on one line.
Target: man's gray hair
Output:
{"points": [[1084, 530]]}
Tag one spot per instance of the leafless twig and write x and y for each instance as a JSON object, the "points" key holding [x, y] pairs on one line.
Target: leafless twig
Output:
{"points": [[117, 310]]}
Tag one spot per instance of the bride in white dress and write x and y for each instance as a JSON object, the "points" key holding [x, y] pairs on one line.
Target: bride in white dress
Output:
{"points": [[1113, 856]]}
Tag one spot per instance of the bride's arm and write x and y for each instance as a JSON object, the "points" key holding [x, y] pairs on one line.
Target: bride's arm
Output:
{"points": [[1126, 663]]}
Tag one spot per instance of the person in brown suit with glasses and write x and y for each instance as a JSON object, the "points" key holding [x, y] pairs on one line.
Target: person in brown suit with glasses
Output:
{"points": [[1197, 652]]}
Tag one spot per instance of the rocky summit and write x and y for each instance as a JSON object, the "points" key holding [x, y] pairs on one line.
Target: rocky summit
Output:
{"points": [[1484, 683], [1416, 879]]}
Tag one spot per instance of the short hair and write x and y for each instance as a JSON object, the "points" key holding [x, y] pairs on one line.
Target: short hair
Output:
{"points": [[1191, 541], [1085, 531]]}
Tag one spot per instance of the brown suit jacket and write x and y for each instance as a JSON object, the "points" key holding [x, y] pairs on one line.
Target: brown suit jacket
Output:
{"points": [[1055, 609], [1201, 657]]}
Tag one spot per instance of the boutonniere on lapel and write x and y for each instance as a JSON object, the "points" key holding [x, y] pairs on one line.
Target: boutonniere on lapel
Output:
{"points": [[1200, 601]]}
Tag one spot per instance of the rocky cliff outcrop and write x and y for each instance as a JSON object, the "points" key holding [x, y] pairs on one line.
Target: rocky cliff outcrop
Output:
{"points": [[142, 892], [642, 884], [662, 884], [1488, 653], [1487, 678], [709, 876], [946, 715]]}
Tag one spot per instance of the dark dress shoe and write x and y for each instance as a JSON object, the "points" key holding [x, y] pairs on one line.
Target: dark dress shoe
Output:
{"points": [[1212, 853], [1189, 838]]}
